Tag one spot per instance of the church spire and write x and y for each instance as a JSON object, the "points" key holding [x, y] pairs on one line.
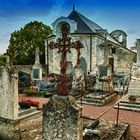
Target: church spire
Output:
{"points": [[73, 7]]}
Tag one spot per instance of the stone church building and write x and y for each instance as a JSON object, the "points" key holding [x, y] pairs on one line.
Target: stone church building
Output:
{"points": [[100, 46]]}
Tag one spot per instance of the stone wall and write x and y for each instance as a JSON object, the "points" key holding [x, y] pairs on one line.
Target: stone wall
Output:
{"points": [[29, 128], [125, 60], [62, 119], [97, 54]]}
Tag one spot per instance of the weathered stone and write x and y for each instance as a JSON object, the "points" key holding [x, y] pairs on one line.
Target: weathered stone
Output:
{"points": [[22, 129], [37, 69], [61, 119], [9, 94]]}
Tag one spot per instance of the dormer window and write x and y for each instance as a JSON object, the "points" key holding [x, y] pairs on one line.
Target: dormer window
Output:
{"points": [[61, 23]]}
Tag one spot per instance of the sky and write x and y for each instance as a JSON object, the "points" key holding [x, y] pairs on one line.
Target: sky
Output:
{"points": [[109, 14]]}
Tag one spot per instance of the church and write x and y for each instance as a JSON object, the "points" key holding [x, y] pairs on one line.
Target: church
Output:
{"points": [[100, 46]]}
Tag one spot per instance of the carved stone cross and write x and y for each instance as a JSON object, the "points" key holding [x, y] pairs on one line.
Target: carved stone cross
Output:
{"points": [[64, 45]]}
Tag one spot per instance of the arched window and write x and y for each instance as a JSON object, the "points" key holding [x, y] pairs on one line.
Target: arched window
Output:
{"points": [[63, 28]]}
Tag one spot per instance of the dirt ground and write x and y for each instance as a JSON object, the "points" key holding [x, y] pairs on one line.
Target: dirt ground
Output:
{"points": [[132, 118]]}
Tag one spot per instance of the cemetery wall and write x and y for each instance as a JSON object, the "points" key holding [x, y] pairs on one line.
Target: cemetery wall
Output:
{"points": [[29, 128]]}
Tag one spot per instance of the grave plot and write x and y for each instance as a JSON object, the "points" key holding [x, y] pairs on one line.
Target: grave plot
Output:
{"points": [[16, 121], [131, 101], [103, 90], [107, 130]]}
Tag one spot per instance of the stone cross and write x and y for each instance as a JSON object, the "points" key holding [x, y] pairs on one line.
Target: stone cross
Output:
{"points": [[37, 60], [138, 51], [64, 45], [9, 60]]}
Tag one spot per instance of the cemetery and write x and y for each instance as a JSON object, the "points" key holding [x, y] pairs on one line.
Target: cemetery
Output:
{"points": [[79, 77]]}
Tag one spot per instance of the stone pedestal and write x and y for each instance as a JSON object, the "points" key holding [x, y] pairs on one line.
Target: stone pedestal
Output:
{"points": [[62, 119]]}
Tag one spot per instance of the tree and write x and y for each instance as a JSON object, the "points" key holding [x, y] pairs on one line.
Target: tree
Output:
{"points": [[2, 59], [24, 41]]}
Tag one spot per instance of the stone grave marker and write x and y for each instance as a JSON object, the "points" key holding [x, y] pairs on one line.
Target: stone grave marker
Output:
{"points": [[8, 95], [37, 70]]}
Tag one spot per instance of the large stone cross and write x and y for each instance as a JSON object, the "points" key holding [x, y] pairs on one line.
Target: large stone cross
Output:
{"points": [[64, 45]]}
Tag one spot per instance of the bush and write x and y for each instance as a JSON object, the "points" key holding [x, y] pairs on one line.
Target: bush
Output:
{"points": [[48, 94], [41, 93], [31, 102], [29, 92], [24, 105]]}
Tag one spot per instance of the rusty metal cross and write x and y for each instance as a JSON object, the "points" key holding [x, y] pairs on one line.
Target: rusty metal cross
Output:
{"points": [[64, 45]]}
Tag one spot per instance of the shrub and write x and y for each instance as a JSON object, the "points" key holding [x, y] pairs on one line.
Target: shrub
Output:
{"points": [[31, 102], [48, 94], [24, 105], [41, 93], [30, 92]]}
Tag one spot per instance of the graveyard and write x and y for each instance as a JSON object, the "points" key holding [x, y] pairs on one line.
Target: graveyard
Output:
{"points": [[86, 90]]}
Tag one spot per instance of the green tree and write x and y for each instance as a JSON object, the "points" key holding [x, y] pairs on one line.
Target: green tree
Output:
{"points": [[24, 41], [2, 59]]}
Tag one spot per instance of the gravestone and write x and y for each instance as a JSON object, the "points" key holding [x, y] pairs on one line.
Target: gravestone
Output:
{"points": [[69, 68], [134, 88], [78, 83], [83, 64], [62, 119], [131, 101], [61, 115], [8, 95], [37, 70]]}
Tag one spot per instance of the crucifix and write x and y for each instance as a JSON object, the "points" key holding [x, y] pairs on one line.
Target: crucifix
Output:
{"points": [[64, 45], [9, 60]]}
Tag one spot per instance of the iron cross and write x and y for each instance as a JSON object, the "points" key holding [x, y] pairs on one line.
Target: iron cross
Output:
{"points": [[64, 45]]}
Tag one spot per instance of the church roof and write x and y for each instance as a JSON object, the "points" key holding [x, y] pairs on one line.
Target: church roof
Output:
{"points": [[84, 25]]}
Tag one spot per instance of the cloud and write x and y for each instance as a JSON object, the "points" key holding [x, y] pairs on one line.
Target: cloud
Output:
{"points": [[18, 8]]}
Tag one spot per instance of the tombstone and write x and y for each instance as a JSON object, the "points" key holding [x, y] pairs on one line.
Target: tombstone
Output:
{"points": [[78, 79], [62, 119], [134, 88], [69, 68], [8, 95], [61, 115], [37, 70], [83, 64], [131, 101]]}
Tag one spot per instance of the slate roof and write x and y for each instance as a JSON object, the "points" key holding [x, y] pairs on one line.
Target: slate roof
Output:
{"points": [[85, 25]]}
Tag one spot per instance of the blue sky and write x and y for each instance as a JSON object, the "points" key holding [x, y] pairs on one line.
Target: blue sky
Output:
{"points": [[110, 14]]}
